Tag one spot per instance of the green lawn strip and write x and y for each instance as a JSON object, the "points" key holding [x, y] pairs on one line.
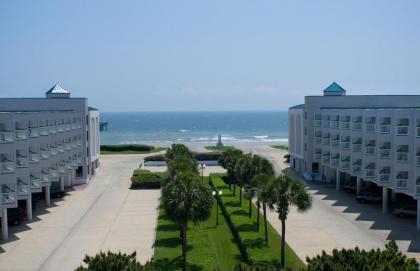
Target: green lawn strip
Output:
{"points": [[210, 247], [154, 150], [257, 250], [222, 149], [281, 147]]}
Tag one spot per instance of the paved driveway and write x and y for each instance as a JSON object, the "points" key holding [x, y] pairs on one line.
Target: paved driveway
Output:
{"points": [[104, 215], [337, 220]]}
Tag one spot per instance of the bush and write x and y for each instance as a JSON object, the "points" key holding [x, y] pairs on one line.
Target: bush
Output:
{"points": [[109, 261], [127, 147], [287, 157], [360, 260], [144, 179], [156, 157], [201, 156]]}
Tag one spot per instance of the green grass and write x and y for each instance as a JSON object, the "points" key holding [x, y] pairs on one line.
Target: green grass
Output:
{"points": [[154, 150], [222, 149], [281, 147], [258, 251], [209, 247]]}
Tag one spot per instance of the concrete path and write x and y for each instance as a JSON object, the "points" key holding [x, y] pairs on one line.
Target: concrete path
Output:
{"points": [[104, 215], [337, 220]]}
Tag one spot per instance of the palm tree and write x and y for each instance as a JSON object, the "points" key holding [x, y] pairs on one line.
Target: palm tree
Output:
{"points": [[228, 160], [186, 199], [287, 191], [243, 173], [262, 183]]}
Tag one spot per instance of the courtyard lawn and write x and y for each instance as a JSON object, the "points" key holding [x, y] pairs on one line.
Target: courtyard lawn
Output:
{"points": [[253, 241], [211, 247], [281, 147]]}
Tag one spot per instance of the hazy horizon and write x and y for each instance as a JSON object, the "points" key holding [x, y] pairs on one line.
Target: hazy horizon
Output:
{"points": [[154, 56]]}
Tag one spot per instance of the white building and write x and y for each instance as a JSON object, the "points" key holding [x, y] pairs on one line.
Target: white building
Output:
{"points": [[42, 141], [365, 138]]}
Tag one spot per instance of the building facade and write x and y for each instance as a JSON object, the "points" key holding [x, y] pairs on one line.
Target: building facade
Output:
{"points": [[367, 138], [45, 141]]}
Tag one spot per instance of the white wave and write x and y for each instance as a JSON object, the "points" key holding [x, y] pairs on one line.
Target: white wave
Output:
{"points": [[183, 130], [261, 137]]}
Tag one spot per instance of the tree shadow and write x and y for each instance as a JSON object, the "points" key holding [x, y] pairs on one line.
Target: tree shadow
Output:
{"points": [[255, 243], [240, 213], [168, 242], [168, 228], [231, 204], [168, 264], [246, 227]]}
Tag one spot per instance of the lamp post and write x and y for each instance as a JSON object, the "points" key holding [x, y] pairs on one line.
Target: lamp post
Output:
{"points": [[216, 195], [202, 167]]}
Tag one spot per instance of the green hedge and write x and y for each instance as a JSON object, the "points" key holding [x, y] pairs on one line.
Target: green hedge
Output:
{"points": [[127, 147], [201, 156], [144, 179]]}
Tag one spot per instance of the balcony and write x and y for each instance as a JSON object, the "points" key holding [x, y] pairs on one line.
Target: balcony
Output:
{"points": [[8, 199], [7, 167], [402, 130], [370, 128], [345, 164], [335, 143], [53, 151], [326, 159], [54, 173], [318, 140], [357, 147], [34, 158], [318, 123], [52, 130], [345, 145], [356, 169], [335, 124], [60, 148], [385, 129], [384, 178], [44, 154], [335, 161], [60, 128], [326, 141], [21, 134], [385, 154], [345, 125], [43, 131], [401, 183], [326, 124], [370, 173], [370, 150], [36, 184], [402, 157], [22, 162], [6, 137], [357, 127], [68, 146], [45, 178], [33, 132]]}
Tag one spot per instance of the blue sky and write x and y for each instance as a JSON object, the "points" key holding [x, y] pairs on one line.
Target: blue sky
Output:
{"points": [[208, 55]]}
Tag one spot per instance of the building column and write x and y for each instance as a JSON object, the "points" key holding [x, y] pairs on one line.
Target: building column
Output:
{"points": [[4, 225], [358, 185], [418, 214], [29, 207], [62, 183], [47, 196], [337, 180], [385, 200]]}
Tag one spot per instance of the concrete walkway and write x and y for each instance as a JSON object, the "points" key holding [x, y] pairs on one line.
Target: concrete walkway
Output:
{"points": [[104, 215], [337, 220]]}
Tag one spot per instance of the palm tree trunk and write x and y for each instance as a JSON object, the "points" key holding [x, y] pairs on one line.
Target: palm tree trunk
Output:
{"points": [[181, 231], [240, 195], [250, 207], [265, 222], [234, 189], [184, 247], [283, 243], [258, 215]]}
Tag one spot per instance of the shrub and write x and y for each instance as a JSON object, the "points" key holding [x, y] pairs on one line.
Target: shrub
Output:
{"points": [[287, 157], [144, 179], [360, 260], [201, 156], [109, 261], [127, 147]]}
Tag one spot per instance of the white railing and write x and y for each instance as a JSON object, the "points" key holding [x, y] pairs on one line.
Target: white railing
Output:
{"points": [[385, 129], [43, 131], [335, 124], [7, 167], [357, 147], [345, 125], [385, 154], [33, 158], [370, 128], [33, 132], [370, 150], [21, 162], [357, 126], [21, 134], [6, 137], [345, 145]]}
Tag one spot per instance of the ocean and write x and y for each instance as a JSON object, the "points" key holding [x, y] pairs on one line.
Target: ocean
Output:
{"points": [[166, 127]]}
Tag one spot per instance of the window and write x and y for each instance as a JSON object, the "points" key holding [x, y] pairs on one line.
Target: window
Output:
{"points": [[357, 145], [418, 185], [418, 128], [345, 142], [326, 121], [357, 166], [385, 150], [402, 126], [318, 137], [335, 141], [418, 157], [370, 124], [402, 153], [345, 162], [385, 125], [357, 123], [335, 124], [370, 147], [370, 170], [318, 120], [345, 122], [402, 179], [384, 174]]}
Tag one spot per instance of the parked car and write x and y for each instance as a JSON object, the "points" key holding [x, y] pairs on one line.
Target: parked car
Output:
{"points": [[406, 211], [15, 216], [350, 187], [369, 197]]}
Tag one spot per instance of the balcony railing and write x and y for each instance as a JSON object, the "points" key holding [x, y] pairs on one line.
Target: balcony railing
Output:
{"points": [[326, 141], [357, 169], [318, 140], [7, 167], [384, 154], [345, 125], [335, 142], [33, 132], [22, 190], [60, 128], [357, 147], [334, 161], [369, 173], [385, 129], [44, 154], [34, 158], [402, 130], [35, 183], [345, 165], [6, 137], [345, 145], [43, 131], [21, 134], [357, 126], [370, 128], [370, 150], [384, 178], [22, 162], [45, 178], [8, 198], [318, 123], [60, 149], [402, 156], [52, 130], [418, 161], [335, 124], [53, 151], [401, 183]]}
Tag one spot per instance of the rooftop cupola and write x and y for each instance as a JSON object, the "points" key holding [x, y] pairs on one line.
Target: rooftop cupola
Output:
{"points": [[57, 92], [334, 90]]}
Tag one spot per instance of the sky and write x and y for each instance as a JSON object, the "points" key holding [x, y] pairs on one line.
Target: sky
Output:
{"points": [[196, 55]]}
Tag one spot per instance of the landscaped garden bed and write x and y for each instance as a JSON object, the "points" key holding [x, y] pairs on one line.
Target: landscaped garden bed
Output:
{"points": [[129, 149], [145, 179]]}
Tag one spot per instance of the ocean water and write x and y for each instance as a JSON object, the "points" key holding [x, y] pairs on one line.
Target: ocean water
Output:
{"points": [[144, 127]]}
